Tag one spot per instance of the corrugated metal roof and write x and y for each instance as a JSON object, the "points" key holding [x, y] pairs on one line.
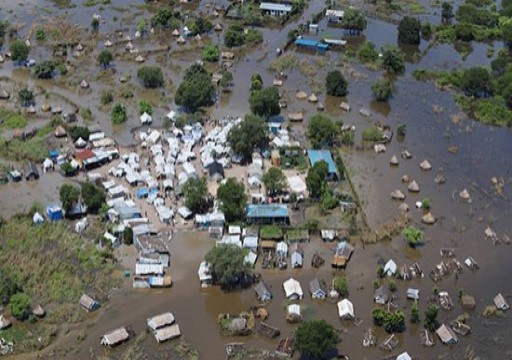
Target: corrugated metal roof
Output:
{"points": [[267, 211], [322, 155], [146, 269]]}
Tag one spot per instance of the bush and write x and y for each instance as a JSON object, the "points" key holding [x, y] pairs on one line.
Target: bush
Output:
{"points": [[234, 36], [336, 84], [382, 89], [254, 36], [210, 53], [128, 236], [20, 306], [76, 132], [367, 53], [476, 81], [321, 131], [341, 286], [392, 285], [372, 134], [151, 76], [413, 235], [409, 31], [426, 203], [145, 107], [93, 197], [44, 70], [106, 97], [118, 114], [271, 232], [393, 60], [265, 102]]}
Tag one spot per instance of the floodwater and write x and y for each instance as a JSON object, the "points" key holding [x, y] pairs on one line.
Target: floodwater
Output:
{"points": [[483, 152]]}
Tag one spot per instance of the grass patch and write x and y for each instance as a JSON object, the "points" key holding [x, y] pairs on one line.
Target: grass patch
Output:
{"points": [[271, 232], [35, 149], [12, 120]]}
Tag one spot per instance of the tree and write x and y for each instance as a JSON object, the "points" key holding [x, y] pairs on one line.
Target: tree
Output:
{"points": [[20, 305], [93, 196], [118, 114], [228, 266], [447, 12], [321, 130], [226, 81], [166, 18], [69, 195], [145, 107], [413, 236], [76, 132], [151, 76], [265, 102], [379, 316], [328, 200], [106, 97], [44, 70], [210, 53], [476, 81], [507, 96], [196, 89], [336, 84], [195, 192], [234, 36], [382, 89], [26, 97], [256, 82], [105, 57], [315, 179], [409, 31], [19, 51], [254, 36], [392, 285], [431, 317], [275, 181], [314, 338], [8, 286], [393, 59], [415, 313], [251, 133], [341, 286], [353, 20], [95, 23], [141, 26], [232, 198], [367, 53], [128, 236], [394, 321]]}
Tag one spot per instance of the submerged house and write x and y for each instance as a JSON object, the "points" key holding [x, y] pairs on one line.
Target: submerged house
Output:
{"points": [[447, 335], [115, 337], [159, 321], [346, 309], [381, 295], [205, 277], [316, 289], [262, 292], [334, 16], [326, 156], [275, 9], [88, 303], [267, 214], [167, 333], [297, 255], [292, 289], [500, 302]]}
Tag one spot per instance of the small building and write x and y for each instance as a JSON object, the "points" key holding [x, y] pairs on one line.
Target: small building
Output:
{"points": [[346, 309], [311, 44], [342, 255], [262, 291], [31, 172], [146, 119], [282, 249], [326, 156], [413, 294], [468, 302], [215, 171], [275, 9], [167, 333], [267, 214], [148, 269], [334, 16], [205, 277], [54, 212], [251, 242], [162, 320], [404, 356], [447, 335], [316, 289], [115, 337], [381, 295], [293, 313], [251, 258], [500, 302], [390, 268], [317, 261], [15, 176], [297, 255], [88, 303], [292, 289]]}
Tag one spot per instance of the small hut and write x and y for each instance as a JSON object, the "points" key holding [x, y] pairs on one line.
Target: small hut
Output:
{"points": [[447, 335], [301, 95], [425, 165], [108, 43], [345, 106], [313, 98], [31, 110], [115, 337], [500, 302], [140, 59], [317, 261], [428, 219], [38, 311], [295, 116], [176, 33], [181, 40], [4, 94], [414, 187], [60, 132], [84, 84], [393, 161], [217, 27], [88, 303], [4, 322], [397, 195]]}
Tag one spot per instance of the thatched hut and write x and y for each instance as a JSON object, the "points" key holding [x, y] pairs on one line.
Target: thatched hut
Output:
{"points": [[313, 98], [140, 59], [301, 95], [84, 84], [397, 195], [108, 43], [425, 165], [414, 187], [175, 33], [428, 219], [393, 161]]}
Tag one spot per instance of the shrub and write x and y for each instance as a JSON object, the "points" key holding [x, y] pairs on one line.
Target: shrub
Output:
{"points": [[106, 97], [341, 286], [367, 53], [372, 134], [151, 76], [336, 84], [20, 306], [145, 107], [382, 89], [210, 53], [118, 114]]}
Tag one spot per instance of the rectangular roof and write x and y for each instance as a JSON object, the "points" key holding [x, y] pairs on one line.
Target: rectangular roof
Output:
{"points": [[267, 211], [275, 6], [161, 320], [322, 155], [167, 333]]}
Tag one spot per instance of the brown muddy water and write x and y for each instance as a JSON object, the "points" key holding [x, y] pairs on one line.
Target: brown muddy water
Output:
{"points": [[483, 153]]}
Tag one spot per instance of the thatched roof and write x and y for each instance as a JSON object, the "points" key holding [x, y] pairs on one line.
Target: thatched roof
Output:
{"points": [[345, 106], [393, 160], [108, 43], [405, 178], [38, 311], [217, 27], [1, 58], [440, 179], [320, 106], [79, 47], [295, 116], [262, 313], [181, 40], [84, 84], [46, 107], [403, 207], [312, 98], [413, 186], [277, 82], [60, 131], [198, 37], [31, 110], [301, 95], [56, 110], [428, 219], [175, 32], [397, 195], [139, 59], [129, 46], [425, 165], [406, 154], [464, 194]]}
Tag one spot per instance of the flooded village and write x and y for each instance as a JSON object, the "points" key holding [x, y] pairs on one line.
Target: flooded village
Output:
{"points": [[255, 180]]}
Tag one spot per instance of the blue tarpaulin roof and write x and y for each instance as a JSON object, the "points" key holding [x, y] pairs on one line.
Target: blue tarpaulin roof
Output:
{"points": [[322, 155], [54, 153], [312, 43], [267, 211], [142, 192]]}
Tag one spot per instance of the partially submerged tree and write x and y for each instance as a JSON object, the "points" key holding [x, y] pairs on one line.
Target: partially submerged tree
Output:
{"points": [[151, 76], [234, 36], [105, 57], [431, 317], [69, 195], [232, 198], [210, 53], [409, 31], [265, 102], [228, 266], [393, 60], [413, 236], [76, 132], [93, 196], [314, 338], [367, 52], [251, 133], [447, 12], [353, 20], [476, 81], [26, 97], [336, 84], [196, 90], [321, 131], [145, 107], [341, 286], [275, 181], [19, 51], [195, 191], [118, 114], [44, 70], [382, 89]]}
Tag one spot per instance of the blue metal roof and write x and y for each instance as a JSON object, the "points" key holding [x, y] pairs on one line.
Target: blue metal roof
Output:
{"points": [[267, 211], [322, 155], [312, 43]]}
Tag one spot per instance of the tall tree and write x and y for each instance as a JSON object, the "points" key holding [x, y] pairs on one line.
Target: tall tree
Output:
{"points": [[315, 179], [105, 57], [196, 89], [409, 31], [314, 338], [431, 317], [393, 60], [321, 130], [265, 102], [336, 84], [196, 191], [19, 51], [69, 195], [228, 266], [251, 133], [353, 20], [232, 199], [275, 181], [93, 196], [151, 76], [476, 81]]}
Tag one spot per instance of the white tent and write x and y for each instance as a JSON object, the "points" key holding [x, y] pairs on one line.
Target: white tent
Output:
{"points": [[345, 309], [390, 268], [296, 184], [171, 115], [37, 218], [80, 143], [154, 137], [47, 165], [282, 249], [146, 119], [292, 289]]}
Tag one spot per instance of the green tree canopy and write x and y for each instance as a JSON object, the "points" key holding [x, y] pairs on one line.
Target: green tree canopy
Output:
{"points": [[447, 12], [77, 131], [19, 50], [409, 31], [20, 305], [413, 235], [315, 179], [321, 130], [336, 84], [118, 114], [69, 195], [196, 89], [8, 286], [393, 59], [166, 18], [234, 36], [265, 102], [145, 107], [26, 97], [314, 338], [210, 53], [151, 76], [94, 197], [232, 199], [394, 321], [431, 317], [476, 81], [105, 57], [367, 52], [275, 181], [353, 20], [251, 133], [44, 70], [226, 81], [227, 266], [382, 89], [341, 286], [196, 191], [415, 313]]}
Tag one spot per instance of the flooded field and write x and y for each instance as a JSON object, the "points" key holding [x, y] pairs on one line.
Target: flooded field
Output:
{"points": [[434, 124]]}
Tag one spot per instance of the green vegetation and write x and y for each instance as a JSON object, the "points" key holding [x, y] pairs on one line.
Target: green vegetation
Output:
{"points": [[392, 285], [40, 34], [151, 76], [314, 338], [69, 196], [336, 84], [415, 313], [232, 198], [372, 133], [382, 89], [19, 51], [256, 82], [409, 31], [234, 36], [226, 81], [227, 266], [13, 120], [20, 306], [26, 97], [328, 200], [251, 133], [413, 236], [431, 317], [105, 57], [341, 286], [254, 36], [45, 69], [8, 286], [265, 102], [93, 196], [195, 192], [275, 181], [476, 81], [199, 25], [315, 179], [196, 90], [95, 24], [106, 97], [35, 149], [393, 60], [426, 203], [145, 107], [166, 18], [210, 53], [367, 53], [354, 20], [128, 236], [77, 131], [321, 131], [118, 114], [271, 232], [393, 321]]}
